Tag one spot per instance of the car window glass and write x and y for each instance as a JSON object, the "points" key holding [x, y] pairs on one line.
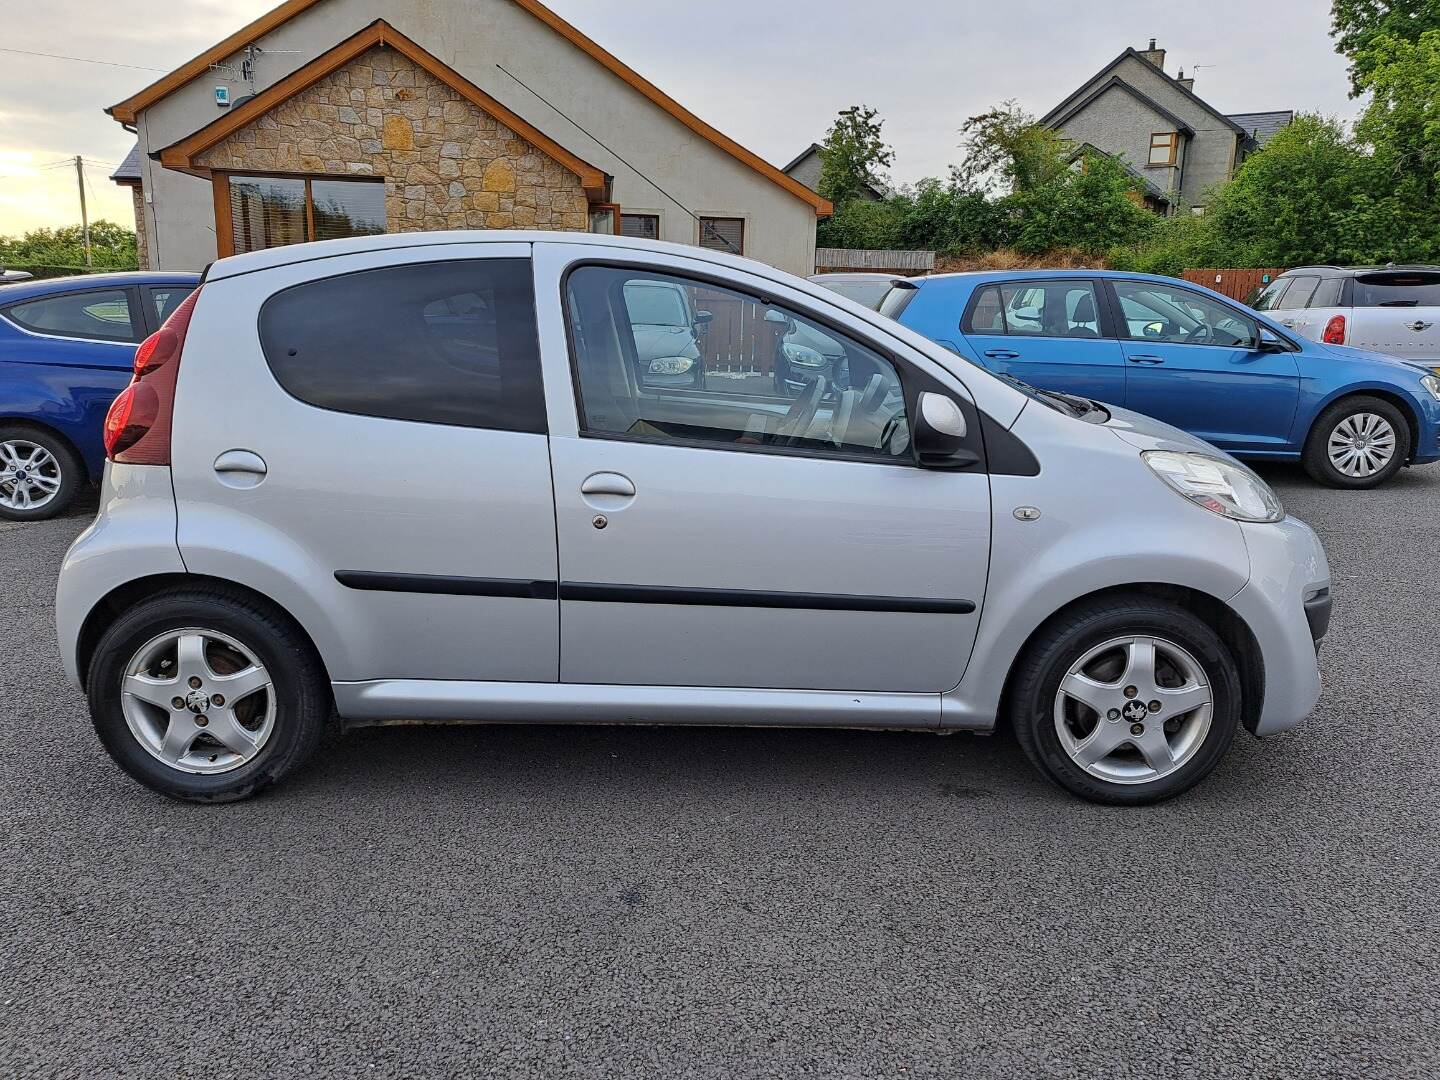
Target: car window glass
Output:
{"points": [[438, 342], [1397, 289], [1155, 312], [1045, 309], [165, 300], [1299, 294], [99, 313], [1270, 298], [987, 317], [1327, 294], [746, 373]]}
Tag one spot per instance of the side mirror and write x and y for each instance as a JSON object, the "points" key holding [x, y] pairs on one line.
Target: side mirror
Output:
{"points": [[1154, 329], [1270, 343], [773, 316], [703, 318], [940, 432]]}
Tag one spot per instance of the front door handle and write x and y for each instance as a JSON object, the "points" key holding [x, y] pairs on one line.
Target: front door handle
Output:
{"points": [[1002, 354], [1145, 358], [608, 483]]}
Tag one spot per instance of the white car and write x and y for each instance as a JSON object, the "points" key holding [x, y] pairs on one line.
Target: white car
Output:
{"points": [[1393, 309]]}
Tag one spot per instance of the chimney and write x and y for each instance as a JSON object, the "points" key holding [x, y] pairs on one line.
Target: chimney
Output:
{"points": [[1188, 84], [1154, 55]]}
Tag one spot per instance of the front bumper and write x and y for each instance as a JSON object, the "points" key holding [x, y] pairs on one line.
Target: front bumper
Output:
{"points": [[1286, 604]]}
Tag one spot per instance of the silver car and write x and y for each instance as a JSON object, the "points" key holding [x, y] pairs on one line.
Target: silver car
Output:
{"points": [[417, 478], [1391, 309]]}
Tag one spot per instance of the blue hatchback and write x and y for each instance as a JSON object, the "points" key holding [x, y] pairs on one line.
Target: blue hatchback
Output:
{"points": [[1189, 357], [67, 347]]}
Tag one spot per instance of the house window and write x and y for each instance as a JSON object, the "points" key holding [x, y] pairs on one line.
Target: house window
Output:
{"points": [[273, 211], [640, 226], [605, 218], [1163, 147], [723, 234]]}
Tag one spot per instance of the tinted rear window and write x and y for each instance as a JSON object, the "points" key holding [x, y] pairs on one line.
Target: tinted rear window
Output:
{"points": [[898, 299], [440, 342], [1398, 288], [102, 314], [869, 293]]}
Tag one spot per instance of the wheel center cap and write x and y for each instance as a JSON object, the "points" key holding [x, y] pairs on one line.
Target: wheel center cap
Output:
{"points": [[197, 701], [1135, 711]]}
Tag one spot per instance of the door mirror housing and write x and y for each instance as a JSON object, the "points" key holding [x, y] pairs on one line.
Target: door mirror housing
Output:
{"points": [[704, 317], [773, 316], [940, 431], [1271, 342]]}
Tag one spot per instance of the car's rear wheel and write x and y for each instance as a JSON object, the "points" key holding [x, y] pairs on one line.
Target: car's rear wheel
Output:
{"points": [[39, 473], [1126, 700], [204, 695], [1358, 442]]}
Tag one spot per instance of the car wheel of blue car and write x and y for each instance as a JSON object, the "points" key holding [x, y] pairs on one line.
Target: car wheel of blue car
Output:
{"points": [[39, 473], [1358, 442]]}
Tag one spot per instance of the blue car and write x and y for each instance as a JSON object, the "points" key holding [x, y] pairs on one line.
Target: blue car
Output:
{"points": [[1189, 357], [67, 348]]}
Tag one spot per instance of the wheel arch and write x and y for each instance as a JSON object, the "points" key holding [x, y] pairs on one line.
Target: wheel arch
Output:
{"points": [[118, 600], [1233, 630]]}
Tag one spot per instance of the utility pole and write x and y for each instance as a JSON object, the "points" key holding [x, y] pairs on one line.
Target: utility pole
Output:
{"points": [[84, 215]]}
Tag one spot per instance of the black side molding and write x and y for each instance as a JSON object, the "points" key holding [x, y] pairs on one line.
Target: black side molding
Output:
{"points": [[596, 593], [748, 598], [446, 586]]}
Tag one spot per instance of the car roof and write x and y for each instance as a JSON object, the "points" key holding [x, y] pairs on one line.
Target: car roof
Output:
{"points": [[1352, 271], [857, 276], [10, 292]]}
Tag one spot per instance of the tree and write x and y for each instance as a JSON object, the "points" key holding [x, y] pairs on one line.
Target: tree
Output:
{"points": [[111, 246], [1402, 122], [853, 156], [1358, 25], [1007, 151]]}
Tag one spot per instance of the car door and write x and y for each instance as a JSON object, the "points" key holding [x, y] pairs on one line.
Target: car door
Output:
{"points": [[743, 536], [1048, 333], [1397, 312], [1197, 362], [373, 456], [1293, 310]]}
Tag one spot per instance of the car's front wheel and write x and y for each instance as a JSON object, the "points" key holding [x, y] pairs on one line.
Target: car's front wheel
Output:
{"points": [[203, 694], [1358, 442], [1126, 700], [39, 473]]}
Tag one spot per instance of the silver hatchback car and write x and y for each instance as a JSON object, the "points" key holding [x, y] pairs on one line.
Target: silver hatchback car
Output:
{"points": [[424, 478]]}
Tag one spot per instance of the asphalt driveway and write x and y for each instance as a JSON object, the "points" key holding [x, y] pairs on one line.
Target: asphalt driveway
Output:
{"points": [[664, 903]]}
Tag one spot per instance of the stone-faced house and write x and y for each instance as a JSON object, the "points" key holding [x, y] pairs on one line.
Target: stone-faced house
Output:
{"points": [[322, 119], [1178, 144]]}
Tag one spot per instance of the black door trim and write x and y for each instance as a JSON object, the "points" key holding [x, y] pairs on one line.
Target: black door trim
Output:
{"points": [[664, 594], [438, 584], [599, 593]]}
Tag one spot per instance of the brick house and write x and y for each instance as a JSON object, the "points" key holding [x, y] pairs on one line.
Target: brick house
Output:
{"points": [[321, 120], [1177, 143]]}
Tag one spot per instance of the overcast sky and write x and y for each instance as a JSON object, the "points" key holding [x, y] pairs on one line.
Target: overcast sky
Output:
{"points": [[772, 74]]}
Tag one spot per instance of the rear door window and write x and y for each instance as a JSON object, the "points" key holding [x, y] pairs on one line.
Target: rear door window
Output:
{"points": [[1397, 289], [164, 299], [96, 314], [1327, 294], [436, 342], [1063, 309], [1299, 294]]}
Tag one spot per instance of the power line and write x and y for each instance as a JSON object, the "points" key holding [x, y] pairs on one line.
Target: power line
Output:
{"points": [[79, 59]]}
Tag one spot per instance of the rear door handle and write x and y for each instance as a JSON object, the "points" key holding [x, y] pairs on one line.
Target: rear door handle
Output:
{"points": [[1002, 354], [1146, 359], [240, 461]]}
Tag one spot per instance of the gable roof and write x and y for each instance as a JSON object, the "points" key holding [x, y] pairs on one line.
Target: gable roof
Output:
{"points": [[816, 149], [181, 155], [126, 111], [1263, 126], [128, 171], [1154, 190], [1064, 106], [1115, 82]]}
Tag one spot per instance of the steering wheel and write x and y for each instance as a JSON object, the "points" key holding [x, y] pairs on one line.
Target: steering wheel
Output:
{"points": [[801, 413], [1203, 334]]}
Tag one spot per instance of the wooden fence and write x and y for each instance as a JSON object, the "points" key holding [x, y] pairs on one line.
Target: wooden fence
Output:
{"points": [[738, 342], [1236, 284]]}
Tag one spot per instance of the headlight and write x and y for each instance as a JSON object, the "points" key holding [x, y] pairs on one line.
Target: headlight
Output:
{"points": [[1223, 487], [1431, 383], [803, 356], [671, 365]]}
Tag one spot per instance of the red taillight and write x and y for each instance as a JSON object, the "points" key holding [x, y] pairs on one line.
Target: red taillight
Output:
{"points": [[137, 428], [1335, 331]]}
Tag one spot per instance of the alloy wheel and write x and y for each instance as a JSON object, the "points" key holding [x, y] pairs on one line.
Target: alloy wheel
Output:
{"points": [[1361, 445], [1134, 709], [198, 700], [29, 475]]}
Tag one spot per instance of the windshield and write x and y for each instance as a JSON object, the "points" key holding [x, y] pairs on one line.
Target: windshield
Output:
{"points": [[655, 305]]}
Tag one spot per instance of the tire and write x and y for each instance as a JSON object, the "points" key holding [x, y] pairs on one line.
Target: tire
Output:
{"points": [[34, 461], [1127, 776], [1357, 411], [283, 722]]}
